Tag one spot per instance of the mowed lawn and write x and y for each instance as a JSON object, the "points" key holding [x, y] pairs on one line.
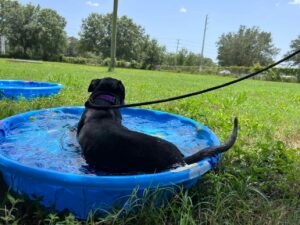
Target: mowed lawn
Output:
{"points": [[258, 180]]}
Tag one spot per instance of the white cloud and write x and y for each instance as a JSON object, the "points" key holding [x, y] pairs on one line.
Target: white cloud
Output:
{"points": [[295, 2], [183, 10], [94, 4]]}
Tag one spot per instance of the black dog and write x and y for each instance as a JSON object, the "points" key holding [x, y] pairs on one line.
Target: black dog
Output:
{"points": [[108, 146]]}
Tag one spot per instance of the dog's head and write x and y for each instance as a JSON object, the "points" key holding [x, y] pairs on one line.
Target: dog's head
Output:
{"points": [[108, 86]]}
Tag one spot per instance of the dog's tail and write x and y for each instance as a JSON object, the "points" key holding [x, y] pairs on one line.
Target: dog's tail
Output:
{"points": [[213, 150]]}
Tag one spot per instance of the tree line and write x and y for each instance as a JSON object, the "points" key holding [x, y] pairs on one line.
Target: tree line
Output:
{"points": [[32, 32], [38, 33]]}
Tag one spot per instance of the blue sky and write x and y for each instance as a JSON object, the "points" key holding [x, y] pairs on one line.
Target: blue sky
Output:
{"points": [[171, 20]]}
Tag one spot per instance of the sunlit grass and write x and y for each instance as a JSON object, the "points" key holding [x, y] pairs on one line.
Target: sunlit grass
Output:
{"points": [[257, 182]]}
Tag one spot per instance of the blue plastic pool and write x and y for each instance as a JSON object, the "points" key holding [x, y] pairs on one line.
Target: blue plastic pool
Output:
{"points": [[39, 155], [28, 89]]}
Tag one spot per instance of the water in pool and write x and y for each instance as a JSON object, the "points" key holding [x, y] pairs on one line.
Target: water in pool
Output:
{"points": [[48, 140]]}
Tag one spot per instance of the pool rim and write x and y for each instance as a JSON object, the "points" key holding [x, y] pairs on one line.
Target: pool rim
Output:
{"points": [[166, 178], [52, 86]]}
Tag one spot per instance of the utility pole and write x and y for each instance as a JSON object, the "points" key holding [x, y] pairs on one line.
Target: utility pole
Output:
{"points": [[203, 43], [178, 42], [177, 47], [113, 37]]}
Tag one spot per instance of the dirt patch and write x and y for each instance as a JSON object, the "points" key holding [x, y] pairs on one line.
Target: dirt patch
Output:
{"points": [[293, 141]]}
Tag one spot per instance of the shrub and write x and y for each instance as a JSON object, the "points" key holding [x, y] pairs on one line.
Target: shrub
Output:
{"points": [[135, 64], [122, 63], [290, 79], [82, 60], [75, 60], [106, 62]]}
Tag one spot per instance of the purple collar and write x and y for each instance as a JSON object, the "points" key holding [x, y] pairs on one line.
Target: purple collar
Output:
{"points": [[108, 98]]}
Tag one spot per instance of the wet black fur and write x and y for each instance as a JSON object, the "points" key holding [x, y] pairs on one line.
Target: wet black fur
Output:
{"points": [[109, 146]]}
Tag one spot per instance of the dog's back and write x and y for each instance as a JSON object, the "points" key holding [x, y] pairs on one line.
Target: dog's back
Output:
{"points": [[110, 147]]}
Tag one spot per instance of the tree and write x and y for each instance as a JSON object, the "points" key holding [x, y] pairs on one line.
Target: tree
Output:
{"points": [[181, 56], [52, 38], [22, 29], [192, 59], [246, 47], [186, 58], [295, 45], [33, 32], [95, 36], [6, 6], [72, 48], [152, 53]]}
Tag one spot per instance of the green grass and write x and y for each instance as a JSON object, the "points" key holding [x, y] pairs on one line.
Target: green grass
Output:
{"points": [[258, 180]]}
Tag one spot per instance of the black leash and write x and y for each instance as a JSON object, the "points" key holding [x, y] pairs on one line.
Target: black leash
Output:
{"points": [[90, 104]]}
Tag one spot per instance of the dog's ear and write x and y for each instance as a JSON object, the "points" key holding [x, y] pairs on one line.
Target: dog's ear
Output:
{"points": [[121, 86], [122, 94], [94, 83]]}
